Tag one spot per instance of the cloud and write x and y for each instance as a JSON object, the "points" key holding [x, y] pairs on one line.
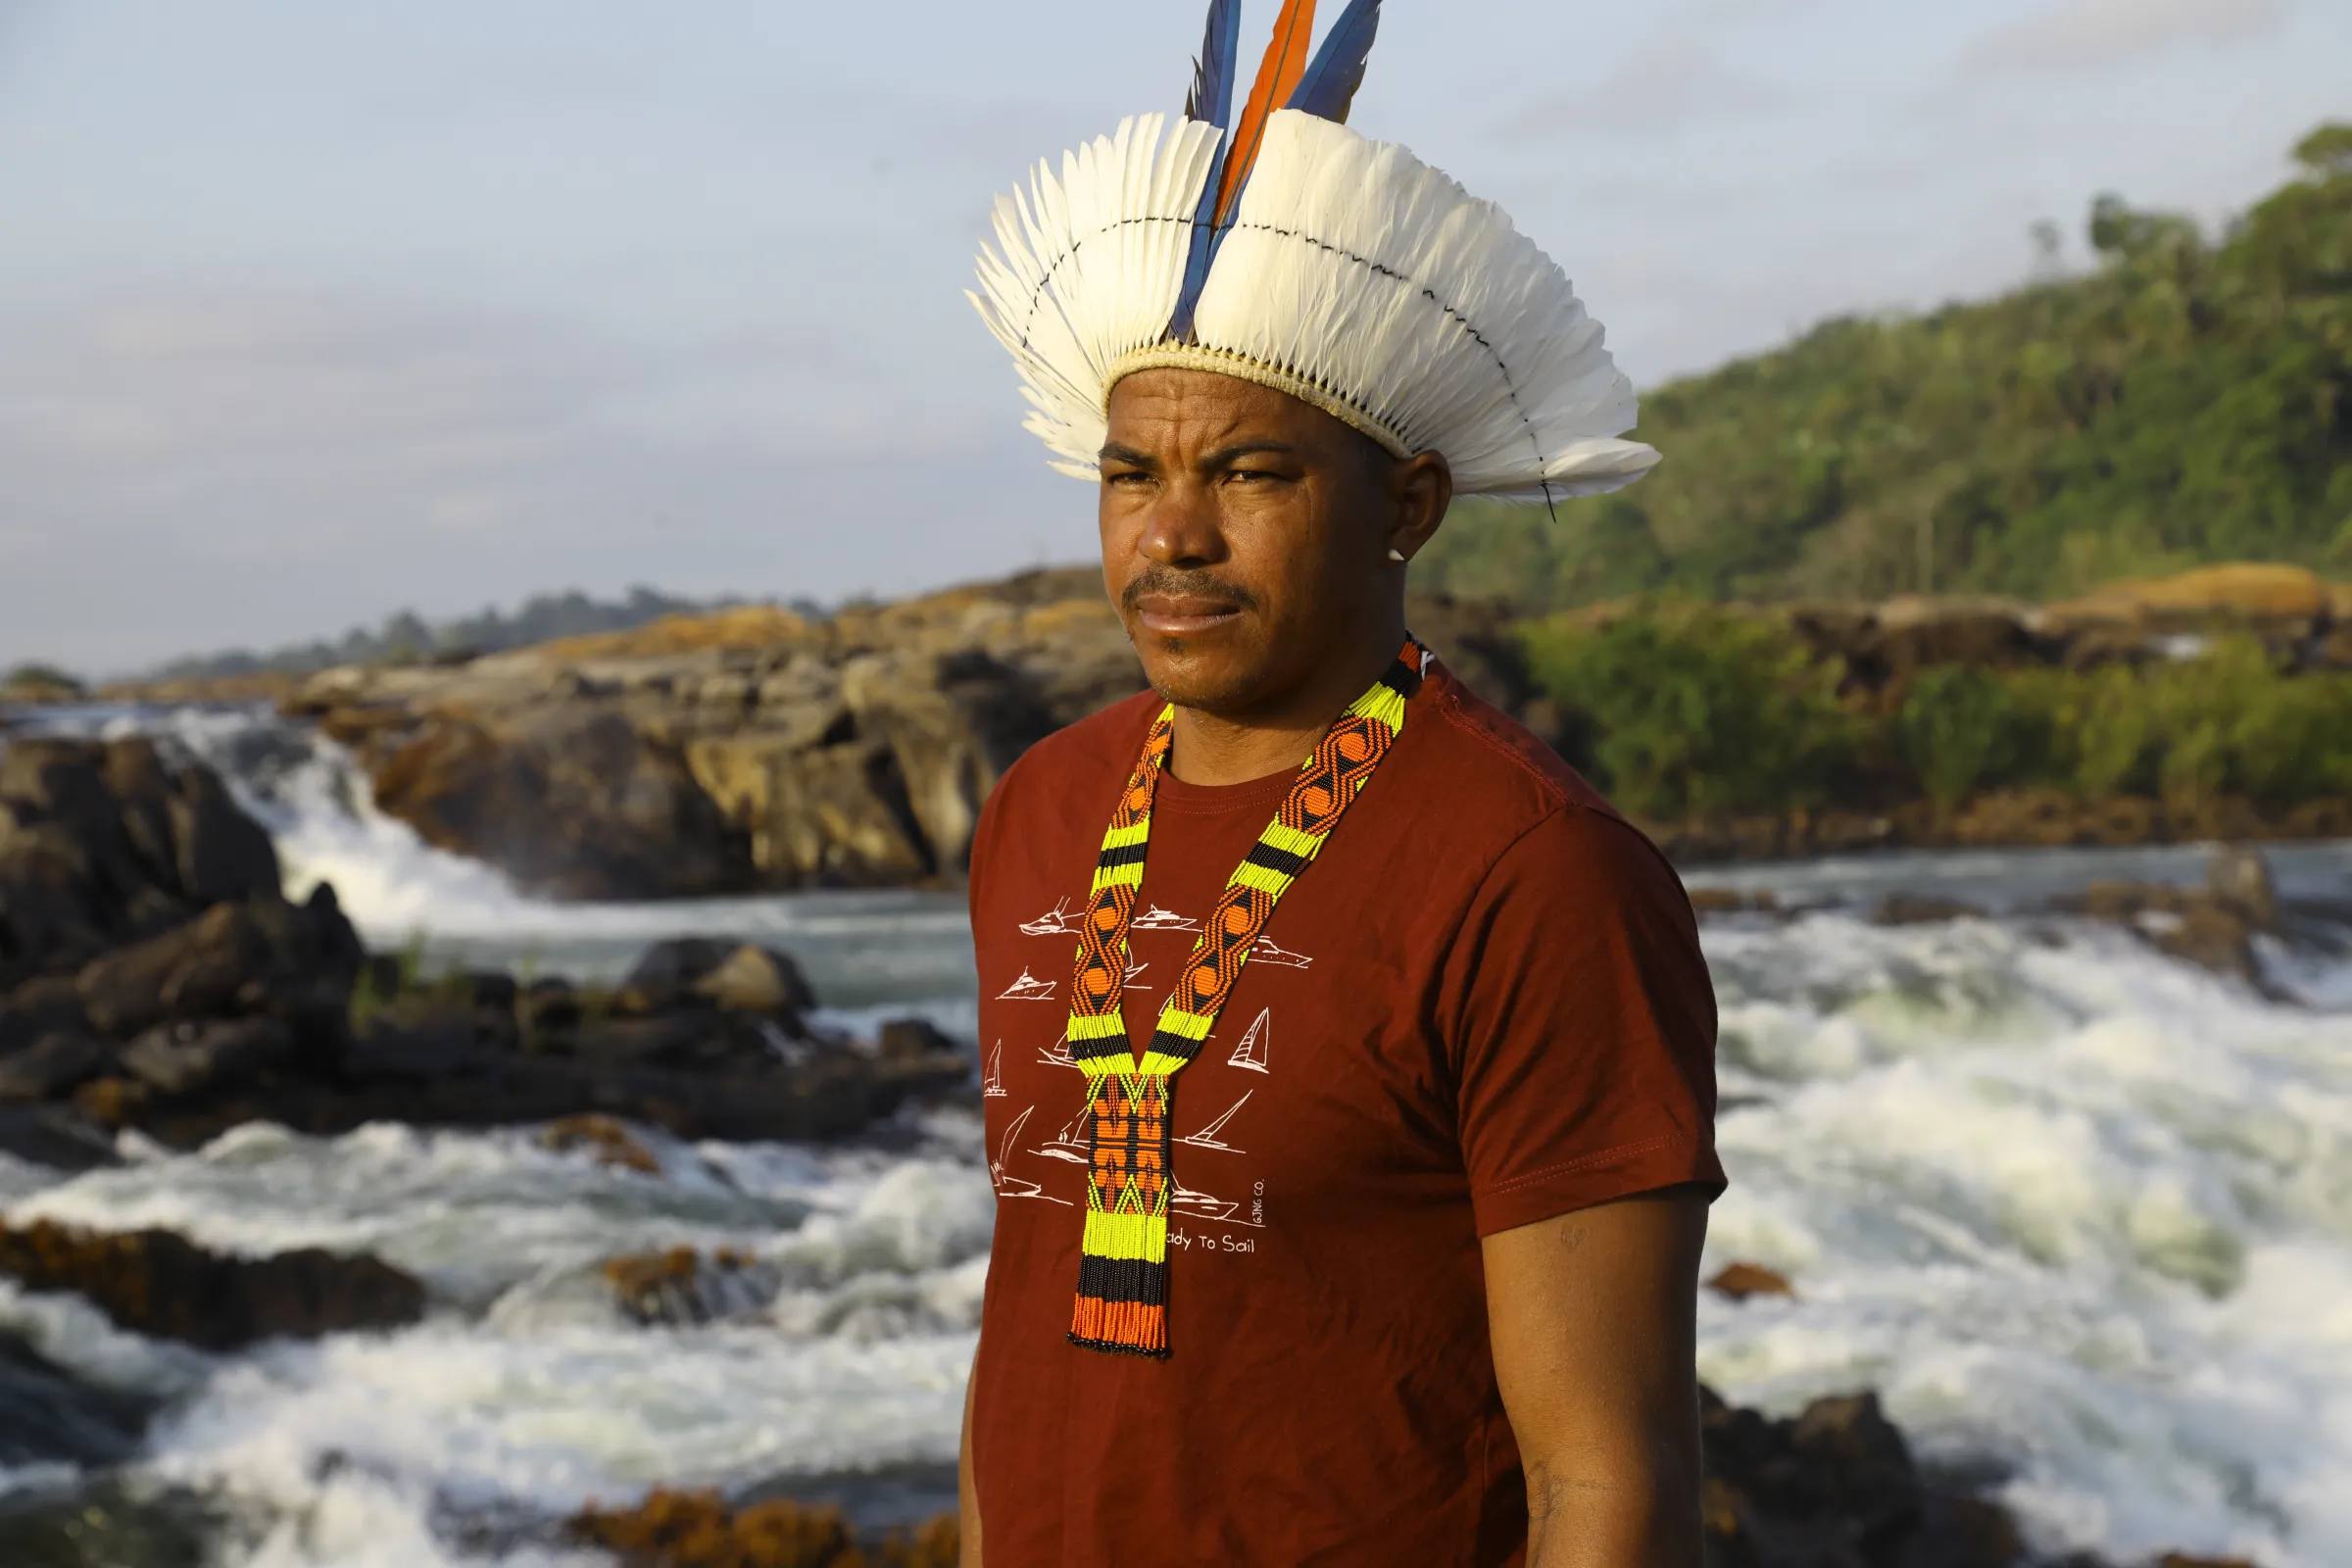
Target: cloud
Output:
{"points": [[185, 470], [2077, 35], [1660, 87]]}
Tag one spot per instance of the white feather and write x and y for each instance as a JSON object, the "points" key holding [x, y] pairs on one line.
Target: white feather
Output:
{"points": [[1087, 266], [1352, 265]]}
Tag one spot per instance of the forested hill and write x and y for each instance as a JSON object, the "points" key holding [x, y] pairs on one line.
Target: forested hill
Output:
{"points": [[2188, 401]]}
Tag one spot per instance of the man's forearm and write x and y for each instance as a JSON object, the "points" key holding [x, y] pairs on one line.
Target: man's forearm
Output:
{"points": [[967, 1497], [1587, 1517]]}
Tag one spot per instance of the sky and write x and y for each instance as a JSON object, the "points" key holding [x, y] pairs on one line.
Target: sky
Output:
{"points": [[312, 312]]}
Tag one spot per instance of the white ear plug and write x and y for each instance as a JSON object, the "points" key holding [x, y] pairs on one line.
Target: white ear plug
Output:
{"points": [[1395, 554]]}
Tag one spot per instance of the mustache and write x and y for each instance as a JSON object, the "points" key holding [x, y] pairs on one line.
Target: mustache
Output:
{"points": [[1180, 583]]}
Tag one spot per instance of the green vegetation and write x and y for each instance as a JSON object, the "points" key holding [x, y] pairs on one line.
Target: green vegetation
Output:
{"points": [[39, 680], [2188, 401], [1688, 711]]}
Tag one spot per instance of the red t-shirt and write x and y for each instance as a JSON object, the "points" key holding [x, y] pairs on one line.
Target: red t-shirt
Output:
{"points": [[1482, 1006]]}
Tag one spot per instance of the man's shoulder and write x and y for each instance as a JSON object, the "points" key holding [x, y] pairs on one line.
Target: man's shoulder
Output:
{"points": [[1501, 765], [1105, 743]]}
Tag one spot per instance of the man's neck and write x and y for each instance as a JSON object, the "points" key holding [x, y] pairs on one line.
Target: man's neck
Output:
{"points": [[1233, 749]]}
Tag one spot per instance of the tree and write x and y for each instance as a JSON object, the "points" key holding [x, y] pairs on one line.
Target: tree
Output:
{"points": [[2328, 151]]}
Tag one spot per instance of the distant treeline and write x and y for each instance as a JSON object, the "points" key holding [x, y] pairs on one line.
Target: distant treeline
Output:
{"points": [[2187, 401], [408, 637], [1687, 710]]}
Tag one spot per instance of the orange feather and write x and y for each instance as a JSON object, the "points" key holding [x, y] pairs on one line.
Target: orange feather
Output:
{"points": [[1277, 78]]}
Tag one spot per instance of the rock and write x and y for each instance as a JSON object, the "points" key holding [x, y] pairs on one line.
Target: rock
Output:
{"points": [[666, 974], [753, 979], [51, 1066], [194, 971], [2191, 925], [190, 1059], [1742, 1280], [682, 1288], [2181, 1560], [48, 1416], [913, 1040], [1922, 909], [222, 854], [40, 1007], [158, 1283], [607, 1139], [2240, 880], [700, 1530], [58, 1137], [1834, 1487]]}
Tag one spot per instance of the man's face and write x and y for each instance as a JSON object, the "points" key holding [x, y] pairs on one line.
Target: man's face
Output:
{"points": [[1245, 536]]}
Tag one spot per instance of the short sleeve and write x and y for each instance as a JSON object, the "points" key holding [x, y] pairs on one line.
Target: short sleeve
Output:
{"points": [[1581, 1024]]}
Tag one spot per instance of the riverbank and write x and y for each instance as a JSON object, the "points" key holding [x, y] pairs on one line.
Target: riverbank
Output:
{"points": [[757, 750]]}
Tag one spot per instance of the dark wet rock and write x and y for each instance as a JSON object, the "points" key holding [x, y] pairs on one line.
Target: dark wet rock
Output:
{"points": [[112, 1522], [762, 980], [1836, 1488], [222, 854], [1922, 909], [702, 1529], [190, 1059], [606, 1138], [39, 1007], [1743, 1280], [47, 1416], [53, 1066], [912, 1040], [158, 1283], [2213, 927], [58, 1137], [682, 1288], [197, 970]]}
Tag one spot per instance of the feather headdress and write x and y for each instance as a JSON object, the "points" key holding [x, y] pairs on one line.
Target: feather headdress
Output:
{"points": [[1283, 248]]}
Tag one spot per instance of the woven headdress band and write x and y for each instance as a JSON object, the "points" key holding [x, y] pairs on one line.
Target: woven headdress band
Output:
{"points": [[1281, 247]]}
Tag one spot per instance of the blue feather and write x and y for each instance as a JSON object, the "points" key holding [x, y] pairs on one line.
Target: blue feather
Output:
{"points": [[1211, 100], [1213, 74], [1328, 89]]}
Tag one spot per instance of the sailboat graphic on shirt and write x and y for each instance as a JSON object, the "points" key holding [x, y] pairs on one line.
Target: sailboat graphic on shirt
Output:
{"points": [[1028, 987], [1133, 970], [1207, 1137], [1201, 1206], [1069, 1143], [1251, 1051], [1054, 923], [1156, 918], [992, 1082], [1006, 1183], [1058, 1054], [1265, 949]]}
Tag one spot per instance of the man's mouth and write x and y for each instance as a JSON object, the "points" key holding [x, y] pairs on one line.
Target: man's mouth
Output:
{"points": [[1182, 614]]}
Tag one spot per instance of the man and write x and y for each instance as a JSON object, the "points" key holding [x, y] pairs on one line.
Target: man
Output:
{"points": [[1350, 1085]]}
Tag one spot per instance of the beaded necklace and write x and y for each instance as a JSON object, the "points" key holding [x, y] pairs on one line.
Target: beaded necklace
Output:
{"points": [[1123, 1272]]}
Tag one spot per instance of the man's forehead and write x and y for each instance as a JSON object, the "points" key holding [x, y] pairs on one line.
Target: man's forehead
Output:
{"points": [[1204, 405]]}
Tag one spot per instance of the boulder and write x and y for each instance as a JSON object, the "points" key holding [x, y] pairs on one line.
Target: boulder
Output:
{"points": [[1834, 1487], [1740, 1280], [48, 1416], [702, 1529], [221, 855], [762, 980], [192, 972], [190, 1059], [606, 1138], [53, 1066], [913, 1040], [666, 973], [158, 1283], [39, 1007], [682, 1288]]}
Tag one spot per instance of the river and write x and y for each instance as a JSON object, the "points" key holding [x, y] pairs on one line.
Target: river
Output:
{"points": [[2081, 1214]]}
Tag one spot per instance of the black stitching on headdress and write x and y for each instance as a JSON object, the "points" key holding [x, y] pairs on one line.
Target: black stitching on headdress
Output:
{"points": [[1046, 281], [1510, 386]]}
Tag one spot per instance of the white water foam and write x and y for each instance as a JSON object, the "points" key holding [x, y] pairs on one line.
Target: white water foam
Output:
{"points": [[2078, 1211], [2081, 1214]]}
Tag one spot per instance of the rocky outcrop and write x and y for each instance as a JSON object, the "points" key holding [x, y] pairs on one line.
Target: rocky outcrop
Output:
{"points": [[754, 749], [1836, 1486], [158, 1283], [683, 1288], [702, 1530]]}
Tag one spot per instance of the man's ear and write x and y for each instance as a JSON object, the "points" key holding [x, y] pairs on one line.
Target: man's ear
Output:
{"points": [[1422, 488]]}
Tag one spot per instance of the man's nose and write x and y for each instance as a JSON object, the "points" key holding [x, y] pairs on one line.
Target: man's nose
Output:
{"points": [[1184, 528]]}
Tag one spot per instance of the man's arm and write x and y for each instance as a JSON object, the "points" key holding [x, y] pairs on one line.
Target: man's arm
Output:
{"points": [[968, 1499], [1593, 1316]]}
